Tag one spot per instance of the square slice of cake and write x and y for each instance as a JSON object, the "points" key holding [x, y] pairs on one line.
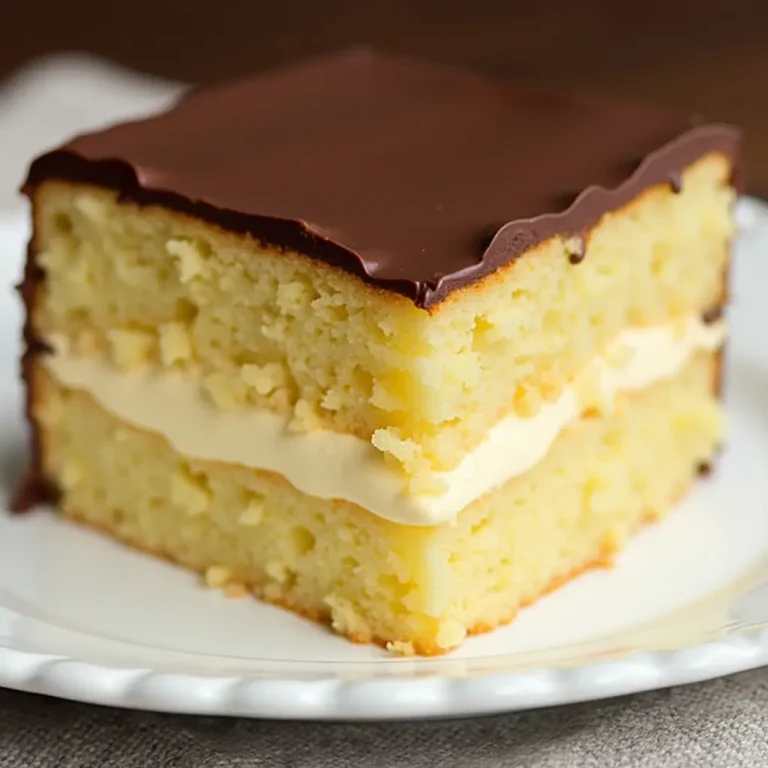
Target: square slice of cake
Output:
{"points": [[391, 345]]}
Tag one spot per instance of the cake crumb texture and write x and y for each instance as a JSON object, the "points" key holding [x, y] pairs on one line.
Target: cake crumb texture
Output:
{"points": [[270, 329], [416, 589]]}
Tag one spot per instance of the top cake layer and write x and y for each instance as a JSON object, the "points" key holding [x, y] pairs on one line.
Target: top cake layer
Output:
{"points": [[417, 178]]}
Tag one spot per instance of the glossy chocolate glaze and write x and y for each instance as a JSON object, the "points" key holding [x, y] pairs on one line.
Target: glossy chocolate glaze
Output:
{"points": [[418, 178]]}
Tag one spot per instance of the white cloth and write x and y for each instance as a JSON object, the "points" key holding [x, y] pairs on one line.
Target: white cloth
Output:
{"points": [[52, 99]]}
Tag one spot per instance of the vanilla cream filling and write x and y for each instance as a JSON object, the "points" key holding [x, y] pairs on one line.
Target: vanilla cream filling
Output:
{"points": [[331, 465]]}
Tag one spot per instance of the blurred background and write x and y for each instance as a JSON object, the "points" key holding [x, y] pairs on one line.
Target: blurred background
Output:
{"points": [[709, 56]]}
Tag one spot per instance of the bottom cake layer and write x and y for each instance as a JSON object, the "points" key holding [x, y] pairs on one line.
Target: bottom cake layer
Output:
{"points": [[417, 589]]}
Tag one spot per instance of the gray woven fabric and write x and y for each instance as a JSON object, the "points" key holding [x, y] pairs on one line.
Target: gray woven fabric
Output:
{"points": [[722, 724]]}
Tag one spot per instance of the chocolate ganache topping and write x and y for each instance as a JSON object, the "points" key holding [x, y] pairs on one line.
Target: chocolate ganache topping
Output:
{"points": [[419, 179]]}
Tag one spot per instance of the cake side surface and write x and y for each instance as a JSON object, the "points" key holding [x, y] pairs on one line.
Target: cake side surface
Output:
{"points": [[420, 588]]}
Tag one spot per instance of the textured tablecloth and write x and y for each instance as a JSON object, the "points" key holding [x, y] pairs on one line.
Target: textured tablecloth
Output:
{"points": [[721, 724]]}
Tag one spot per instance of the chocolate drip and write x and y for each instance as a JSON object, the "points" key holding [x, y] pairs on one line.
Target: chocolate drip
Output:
{"points": [[712, 315], [675, 180], [577, 250]]}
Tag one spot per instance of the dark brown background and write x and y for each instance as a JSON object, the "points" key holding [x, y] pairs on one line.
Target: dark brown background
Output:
{"points": [[710, 56]]}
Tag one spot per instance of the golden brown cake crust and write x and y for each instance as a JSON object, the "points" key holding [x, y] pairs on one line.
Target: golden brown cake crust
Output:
{"points": [[34, 488]]}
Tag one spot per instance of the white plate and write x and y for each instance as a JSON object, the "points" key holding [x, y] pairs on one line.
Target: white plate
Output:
{"points": [[84, 618]]}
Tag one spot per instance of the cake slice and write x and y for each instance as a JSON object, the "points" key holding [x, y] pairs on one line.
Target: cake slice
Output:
{"points": [[394, 346]]}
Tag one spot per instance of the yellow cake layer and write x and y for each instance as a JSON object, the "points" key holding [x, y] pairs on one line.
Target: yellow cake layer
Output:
{"points": [[280, 331], [422, 589]]}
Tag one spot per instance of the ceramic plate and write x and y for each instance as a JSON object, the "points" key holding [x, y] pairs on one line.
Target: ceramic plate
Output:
{"points": [[84, 618]]}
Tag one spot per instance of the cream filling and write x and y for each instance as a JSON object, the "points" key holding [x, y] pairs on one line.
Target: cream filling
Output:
{"points": [[331, 465]]}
